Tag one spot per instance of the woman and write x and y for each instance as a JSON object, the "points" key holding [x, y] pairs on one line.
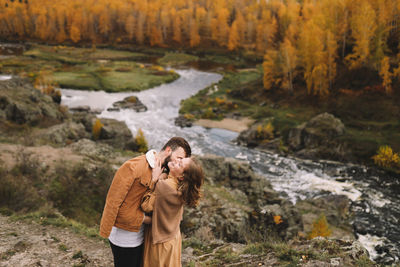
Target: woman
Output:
{"points": [[162, 241]]}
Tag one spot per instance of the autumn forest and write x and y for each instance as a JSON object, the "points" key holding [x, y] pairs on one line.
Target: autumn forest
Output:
{"points": [[307, 39]]}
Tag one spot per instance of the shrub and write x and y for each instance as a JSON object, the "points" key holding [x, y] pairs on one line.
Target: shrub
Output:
{"points": [[320, 228], [141, 142], [79, 192], [386, 158], [17, 193], [209, 114], [189, 116], [96, 130], [265, 132], [157, 68], [220, 100], [44, 83], [20, 186]]}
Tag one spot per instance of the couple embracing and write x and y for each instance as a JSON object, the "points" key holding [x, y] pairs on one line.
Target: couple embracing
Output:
{"points": [[144, 206]]}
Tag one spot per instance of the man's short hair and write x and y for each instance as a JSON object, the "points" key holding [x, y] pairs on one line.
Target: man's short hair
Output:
{"points": [[176, 142]]}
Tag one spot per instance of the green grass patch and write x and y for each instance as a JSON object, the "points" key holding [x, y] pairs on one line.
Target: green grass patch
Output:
{"points": [[24, 64], [115, 55], [53, 218], [177, 59], [199, 248], [114, 76], [217, 100], [257, 248], [89, 69], [225, 60], [49, 56], [76, 55], [77, 80]]}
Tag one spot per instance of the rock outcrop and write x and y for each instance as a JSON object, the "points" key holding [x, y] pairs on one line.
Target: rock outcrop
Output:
{"points": [[20, 103], [239, 204], [319, 138], [182, 121], [130, 102]]}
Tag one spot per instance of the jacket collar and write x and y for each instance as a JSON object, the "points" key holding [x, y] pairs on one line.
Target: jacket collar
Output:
{"points": [[151, 157]]}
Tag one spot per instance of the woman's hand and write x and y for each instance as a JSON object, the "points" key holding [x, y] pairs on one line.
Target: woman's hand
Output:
{"points": [[147, 219], [157, 170]]}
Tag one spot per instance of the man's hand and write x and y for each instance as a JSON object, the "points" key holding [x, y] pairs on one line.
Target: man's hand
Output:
{"points": [[147, 219]]}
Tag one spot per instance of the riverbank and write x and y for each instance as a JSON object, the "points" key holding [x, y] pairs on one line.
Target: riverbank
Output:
{"points": [[234, 125]]}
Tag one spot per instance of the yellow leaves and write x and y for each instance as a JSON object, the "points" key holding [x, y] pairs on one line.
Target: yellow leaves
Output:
{"points": [[130, 26], [386, 158], [265, 132], [271, 73], [96, 129], [194, 34], [386, 75], [75, 34], [320, 228], [318, 53], [363, 26], [278, 219], [279, 66], [220, 100], [141, 141], [189, 116], [157, 68], [233, 37]]}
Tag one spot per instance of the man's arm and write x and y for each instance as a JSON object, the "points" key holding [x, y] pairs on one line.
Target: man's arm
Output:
{"points": [[117, 192]]}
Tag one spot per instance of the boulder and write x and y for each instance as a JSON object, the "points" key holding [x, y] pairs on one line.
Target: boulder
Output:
{"points": [[116, 134], [182, 121], [92, 149], [252, 137], [80, 109], [86, 118], [249, 137], [130, 102], [319, 138], [64, 133]]}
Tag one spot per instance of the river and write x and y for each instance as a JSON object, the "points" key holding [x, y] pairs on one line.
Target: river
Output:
{"points": [[374, 194]]}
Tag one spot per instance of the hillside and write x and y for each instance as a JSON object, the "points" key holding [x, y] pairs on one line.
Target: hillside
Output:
{"points": [[55, 173]]}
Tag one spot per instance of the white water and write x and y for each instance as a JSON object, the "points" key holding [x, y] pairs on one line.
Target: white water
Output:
{"points": [[5, 77], [294, 178]]}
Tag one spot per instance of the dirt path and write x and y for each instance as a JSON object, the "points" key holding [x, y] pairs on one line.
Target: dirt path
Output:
{"points": [[227, 124], [31, 244], [46, 154]]}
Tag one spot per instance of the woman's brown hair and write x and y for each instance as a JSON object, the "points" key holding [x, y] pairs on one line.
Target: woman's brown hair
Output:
{"points": [[193, 178]]}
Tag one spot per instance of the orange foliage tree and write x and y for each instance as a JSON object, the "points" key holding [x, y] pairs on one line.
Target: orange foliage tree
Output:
{"points": [[307, 37]]}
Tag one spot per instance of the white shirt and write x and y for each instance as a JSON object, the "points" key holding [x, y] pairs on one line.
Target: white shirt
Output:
{"points": [[127, 239]]}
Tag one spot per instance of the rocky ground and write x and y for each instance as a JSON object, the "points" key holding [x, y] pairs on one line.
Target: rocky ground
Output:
{"points": [[66, 165], [25, 243]]}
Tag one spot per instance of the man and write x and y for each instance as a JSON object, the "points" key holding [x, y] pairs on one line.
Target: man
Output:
{"points": [[123, 220]]}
